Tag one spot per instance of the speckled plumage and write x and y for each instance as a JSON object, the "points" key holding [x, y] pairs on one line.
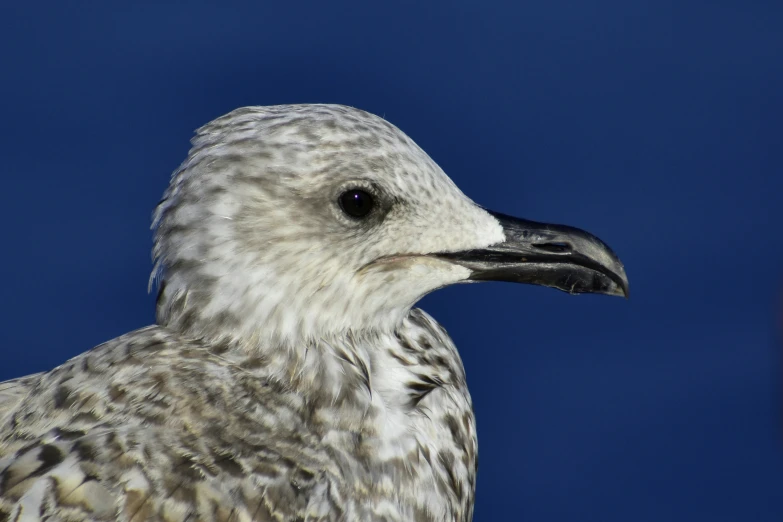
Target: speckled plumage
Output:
{"points": [[154, 426], [288, 378]]}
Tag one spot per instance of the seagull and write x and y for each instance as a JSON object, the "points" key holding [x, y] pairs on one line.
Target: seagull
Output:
{"points": [[288, 376]]}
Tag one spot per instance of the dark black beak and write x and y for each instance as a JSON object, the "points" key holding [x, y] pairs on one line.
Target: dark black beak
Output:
{"points": [[559, 256]]}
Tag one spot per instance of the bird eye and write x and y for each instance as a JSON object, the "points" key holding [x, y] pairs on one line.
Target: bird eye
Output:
{"points": [[356, 203]]}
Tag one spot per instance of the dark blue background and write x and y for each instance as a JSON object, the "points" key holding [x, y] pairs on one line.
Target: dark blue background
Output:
{"points": [[656, 125]]}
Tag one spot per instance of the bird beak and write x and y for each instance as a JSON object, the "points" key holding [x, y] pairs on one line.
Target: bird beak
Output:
{"points": [[558, 256]]}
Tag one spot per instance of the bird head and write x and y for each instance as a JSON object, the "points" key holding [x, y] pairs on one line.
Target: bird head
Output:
{"points": [[292, 223]]}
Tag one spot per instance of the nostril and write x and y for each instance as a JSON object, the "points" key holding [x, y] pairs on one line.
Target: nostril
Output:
{"points": [[555, 248]]}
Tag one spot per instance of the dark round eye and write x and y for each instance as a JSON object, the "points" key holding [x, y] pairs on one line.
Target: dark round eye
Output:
{"points": [[356, 203]]}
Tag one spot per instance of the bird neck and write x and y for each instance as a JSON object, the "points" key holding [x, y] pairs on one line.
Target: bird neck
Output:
{"points": [[399, 396], [262, 317]]}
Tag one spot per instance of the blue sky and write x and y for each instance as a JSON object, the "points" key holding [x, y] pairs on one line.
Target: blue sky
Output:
{"points": [[654, 125]]}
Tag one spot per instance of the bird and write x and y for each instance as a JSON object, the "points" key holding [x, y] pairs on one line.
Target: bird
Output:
{"points": [[288, 375]]}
